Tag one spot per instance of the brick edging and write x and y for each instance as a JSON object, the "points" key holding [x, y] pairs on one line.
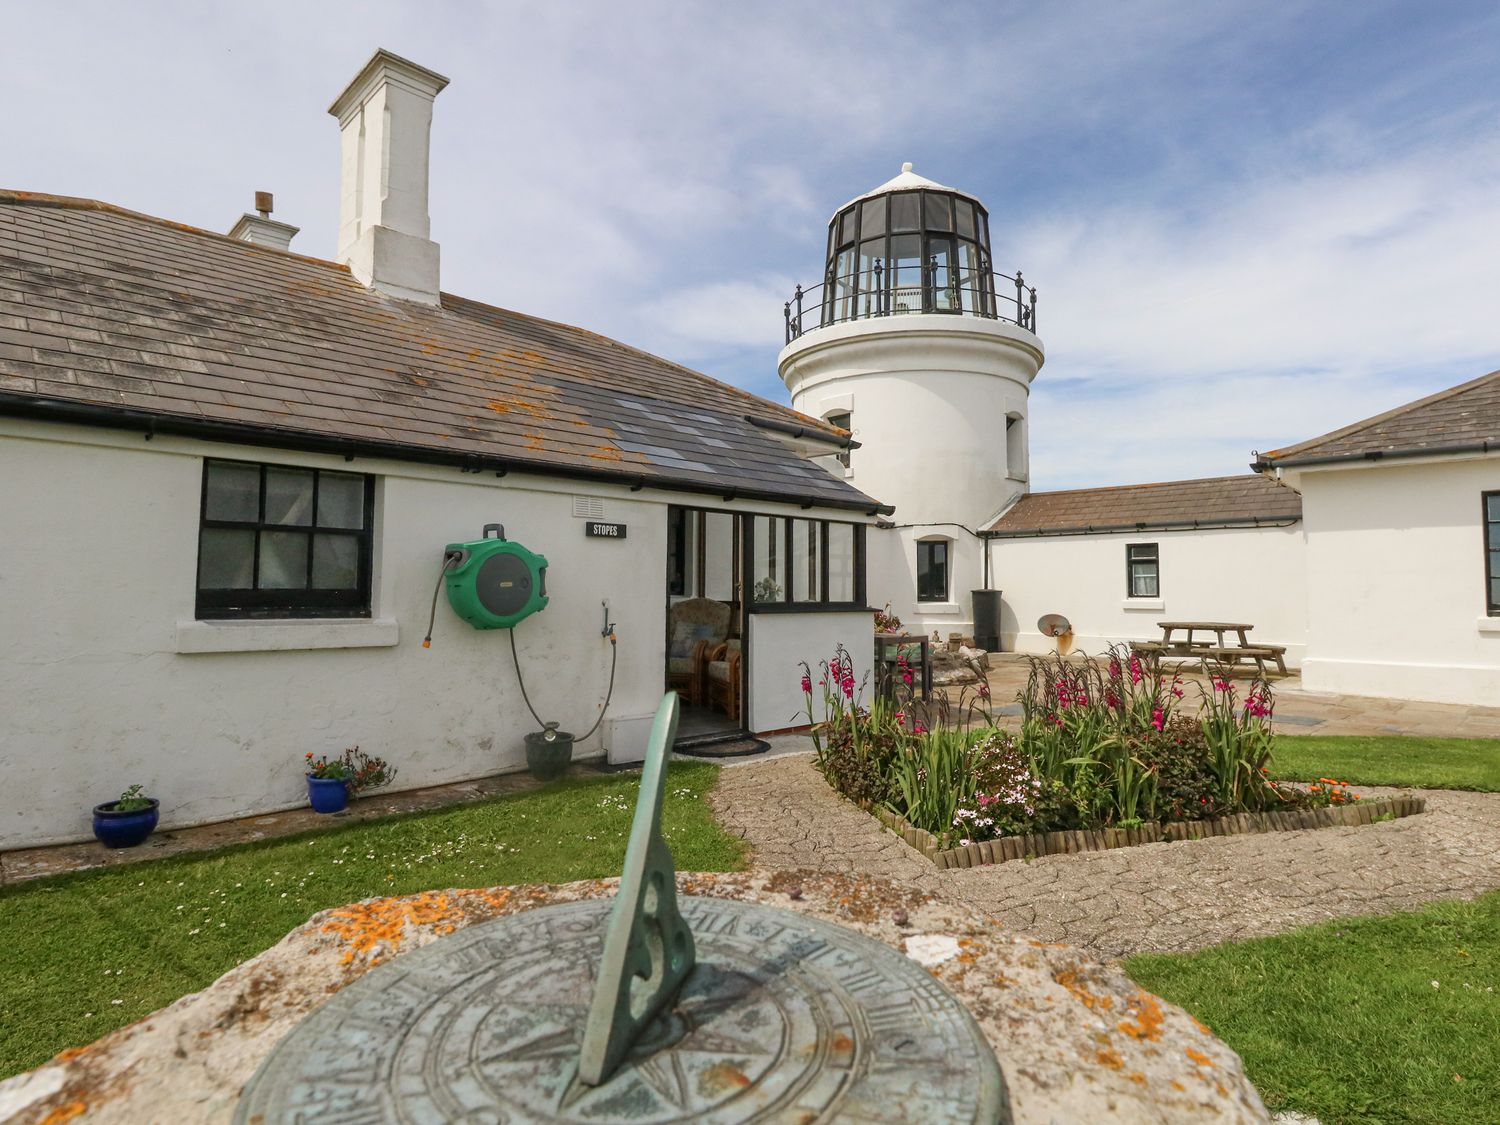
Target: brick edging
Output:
{"points": [[1155, 832]]}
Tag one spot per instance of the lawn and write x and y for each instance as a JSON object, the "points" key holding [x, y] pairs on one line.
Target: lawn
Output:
{"points": [[1386, 1019], [90, 952], [1423, 763]]}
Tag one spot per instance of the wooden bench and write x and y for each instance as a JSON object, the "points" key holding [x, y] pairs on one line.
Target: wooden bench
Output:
{"points": [[1233, 654]]}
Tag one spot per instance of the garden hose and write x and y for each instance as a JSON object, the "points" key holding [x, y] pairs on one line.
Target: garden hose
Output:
{"points": [[614, 653], [449, 558]]}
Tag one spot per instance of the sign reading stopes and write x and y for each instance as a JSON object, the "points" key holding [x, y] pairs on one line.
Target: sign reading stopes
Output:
{"points": [[596, 530]]}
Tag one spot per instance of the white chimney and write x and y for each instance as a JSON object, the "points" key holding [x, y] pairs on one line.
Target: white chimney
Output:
{"points": [[385, 124], [261, 229]]}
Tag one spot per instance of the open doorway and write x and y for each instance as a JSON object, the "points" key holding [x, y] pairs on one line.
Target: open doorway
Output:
{"points": [[706, 624]]}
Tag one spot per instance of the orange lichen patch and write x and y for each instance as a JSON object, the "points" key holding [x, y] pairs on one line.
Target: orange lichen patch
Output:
{"points": [[1200, 1025], [534, 440], [1137, 1077], [1094, 1002], [71, 1053], [1110, 1057], [513, 404], [65, 1113], [1148, 1018], [1176, 1085], [722, 1076], [373, 928], [1199, 1057], [607, 453]]}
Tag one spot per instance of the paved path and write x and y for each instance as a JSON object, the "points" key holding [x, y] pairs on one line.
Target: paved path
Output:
{"points": [[1163, 897]]}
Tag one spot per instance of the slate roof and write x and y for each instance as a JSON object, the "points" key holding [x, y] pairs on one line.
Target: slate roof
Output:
{"points": [[1245, 500], [1451, 421], [117, 318]]}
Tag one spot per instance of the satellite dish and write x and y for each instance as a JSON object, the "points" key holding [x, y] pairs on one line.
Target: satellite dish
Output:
{"points": [[1053, 625]]}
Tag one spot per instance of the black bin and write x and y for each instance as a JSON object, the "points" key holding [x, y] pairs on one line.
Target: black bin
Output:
{"points": [[987, 620]]}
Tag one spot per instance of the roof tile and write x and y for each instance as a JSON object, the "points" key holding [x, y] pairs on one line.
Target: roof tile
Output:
{"points": [[1247, 499]]}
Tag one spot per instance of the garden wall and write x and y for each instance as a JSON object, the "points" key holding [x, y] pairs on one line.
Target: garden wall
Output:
{"points": [[1074, 841]]}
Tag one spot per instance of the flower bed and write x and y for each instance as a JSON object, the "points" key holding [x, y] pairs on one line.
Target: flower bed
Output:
{"points": [[1035, 845], [1110, 752]]}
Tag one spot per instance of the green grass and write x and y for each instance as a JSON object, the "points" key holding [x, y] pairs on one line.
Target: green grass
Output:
{"points": [[1423, 763], [1342, 1020], [89, 952]]}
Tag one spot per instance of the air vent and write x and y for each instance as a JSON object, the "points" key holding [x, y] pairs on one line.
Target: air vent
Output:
{"points": [[588, 507]]}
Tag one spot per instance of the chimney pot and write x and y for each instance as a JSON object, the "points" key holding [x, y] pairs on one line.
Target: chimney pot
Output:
{"points": [[261, 229], [264, 203]]}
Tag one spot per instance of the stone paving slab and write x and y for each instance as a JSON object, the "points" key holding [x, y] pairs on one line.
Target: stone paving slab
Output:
{"points": [[1159, 897]]}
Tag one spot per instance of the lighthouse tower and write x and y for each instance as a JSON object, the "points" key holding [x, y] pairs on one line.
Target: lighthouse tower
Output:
{"points": [[914, 343]]}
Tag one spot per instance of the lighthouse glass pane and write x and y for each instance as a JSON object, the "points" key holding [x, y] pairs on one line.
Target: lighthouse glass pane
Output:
{"points": [[768, 576], [904, 215], [871, 280], [846, 227], [872, 218], [906, 273], [964, 212], [970, 294], [843, 286], [935, 212], [841, 562], [944, 278]]}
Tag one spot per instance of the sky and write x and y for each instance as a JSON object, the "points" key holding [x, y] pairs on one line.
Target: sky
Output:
{"points": [[1247, 223]]}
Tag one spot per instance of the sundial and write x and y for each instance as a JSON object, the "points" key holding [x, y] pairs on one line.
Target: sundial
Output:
{"points": [[644, 1008]]}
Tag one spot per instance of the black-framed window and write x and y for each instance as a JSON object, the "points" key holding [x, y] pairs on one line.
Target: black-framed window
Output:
{"points": [[805, 564], [844, 421], [1492, 552], [284, 541], [1142, 571], [932, 570]]}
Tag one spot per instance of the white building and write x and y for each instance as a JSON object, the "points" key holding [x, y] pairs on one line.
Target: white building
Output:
{"points": [[228, 473], [1402, 524]]}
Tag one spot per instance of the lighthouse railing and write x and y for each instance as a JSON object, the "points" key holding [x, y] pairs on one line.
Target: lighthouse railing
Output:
{"points": [[899, 288]]}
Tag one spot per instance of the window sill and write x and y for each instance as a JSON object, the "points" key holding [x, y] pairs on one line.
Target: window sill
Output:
{"points": [[939, 607], [285, 636], [1156, 605], [1489, 624]]}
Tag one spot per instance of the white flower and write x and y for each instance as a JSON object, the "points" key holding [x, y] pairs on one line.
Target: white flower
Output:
{"points": [[1436, 985]]}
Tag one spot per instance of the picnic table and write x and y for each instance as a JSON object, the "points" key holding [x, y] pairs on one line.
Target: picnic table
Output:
{"points": [[888, 655], [1219, 649]]}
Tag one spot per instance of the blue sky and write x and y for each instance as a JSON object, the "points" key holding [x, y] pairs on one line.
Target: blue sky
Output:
{"points": [[1248, 223]]}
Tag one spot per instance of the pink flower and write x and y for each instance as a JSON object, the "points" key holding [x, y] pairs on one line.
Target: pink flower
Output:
{"points": [[806, 685], [1220, 684], [1157, 718], [918, 728], [984, 691]]}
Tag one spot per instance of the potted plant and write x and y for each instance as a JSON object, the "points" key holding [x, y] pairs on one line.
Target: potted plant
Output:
{"points": [[331, 782], [127, 820]]}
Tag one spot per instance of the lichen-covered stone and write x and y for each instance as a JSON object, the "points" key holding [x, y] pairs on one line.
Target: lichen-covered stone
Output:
{"points": [[1076, 1039]]}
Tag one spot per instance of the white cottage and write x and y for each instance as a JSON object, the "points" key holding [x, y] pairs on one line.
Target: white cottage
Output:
{"points": [[228, 473], [1402, 523]]}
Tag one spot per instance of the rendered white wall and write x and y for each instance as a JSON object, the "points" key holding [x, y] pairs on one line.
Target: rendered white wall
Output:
{"points": [[107, 680], [1253, 575], [1396, 581], [929, 396], [779, 642]]}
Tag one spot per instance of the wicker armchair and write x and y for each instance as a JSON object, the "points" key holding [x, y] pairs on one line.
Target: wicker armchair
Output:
{"points": [[723, 678], [695, 627]]}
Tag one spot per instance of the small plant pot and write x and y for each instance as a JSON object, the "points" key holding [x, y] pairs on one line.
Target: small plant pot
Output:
{"points": [[116, 829], [548, 757], [328, 794]]}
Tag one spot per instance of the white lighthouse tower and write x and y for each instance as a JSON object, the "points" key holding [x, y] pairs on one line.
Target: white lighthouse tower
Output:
{"points": [[914, 343]]}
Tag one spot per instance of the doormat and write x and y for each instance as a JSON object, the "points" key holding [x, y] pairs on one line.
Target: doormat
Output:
{"points": [[741, 747]]}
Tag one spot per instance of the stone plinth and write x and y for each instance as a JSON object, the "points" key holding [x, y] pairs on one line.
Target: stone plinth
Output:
{"points": [[1076, 1039]]}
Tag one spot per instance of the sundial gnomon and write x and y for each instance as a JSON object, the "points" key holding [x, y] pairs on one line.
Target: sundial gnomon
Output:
{"points": [[644, 1008]]}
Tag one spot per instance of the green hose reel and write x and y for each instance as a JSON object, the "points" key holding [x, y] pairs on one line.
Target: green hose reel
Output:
{"points": [[493, 583]]}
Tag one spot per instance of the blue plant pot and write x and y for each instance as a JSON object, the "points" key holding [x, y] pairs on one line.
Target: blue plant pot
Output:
{"points": [[328, 794], [116, 829]]}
